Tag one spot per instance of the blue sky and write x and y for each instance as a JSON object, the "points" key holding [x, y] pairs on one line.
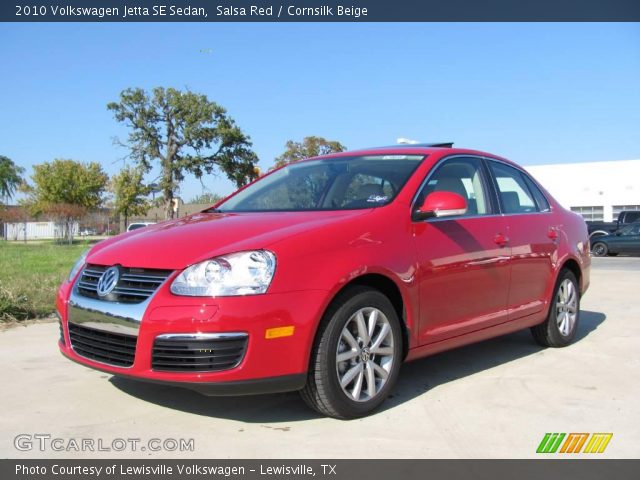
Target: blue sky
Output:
{"points": [[535, 93]]}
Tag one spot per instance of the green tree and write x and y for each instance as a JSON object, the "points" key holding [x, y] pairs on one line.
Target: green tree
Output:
{"points": [[10, 178], [309, 147], [130, 193], [208, 198], [65, 190], [15, 214], [184, 133]]}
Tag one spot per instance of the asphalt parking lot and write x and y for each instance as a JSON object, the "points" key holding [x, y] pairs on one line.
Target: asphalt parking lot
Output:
{"points": [[495, 399]]}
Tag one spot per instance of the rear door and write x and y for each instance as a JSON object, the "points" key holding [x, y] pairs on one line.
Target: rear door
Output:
{"points": [[463, 261], [533, 237]]}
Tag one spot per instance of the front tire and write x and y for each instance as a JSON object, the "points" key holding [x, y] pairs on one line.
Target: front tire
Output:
{"points": [[356, 357], [560, 327], [600, 249]]}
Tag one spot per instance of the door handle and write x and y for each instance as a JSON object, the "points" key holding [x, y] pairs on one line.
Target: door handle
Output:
{"points": [[501, 239]]}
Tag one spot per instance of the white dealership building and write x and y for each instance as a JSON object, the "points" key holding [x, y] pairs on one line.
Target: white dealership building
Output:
{"points": [[596, 190]]}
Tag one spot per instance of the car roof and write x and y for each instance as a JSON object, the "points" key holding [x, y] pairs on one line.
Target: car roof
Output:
{"points": [[416, 149]]}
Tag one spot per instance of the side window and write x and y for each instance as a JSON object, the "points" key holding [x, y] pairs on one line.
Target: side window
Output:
{"points": [[461, 175], [630, 217], [514, 193], [541, 200], [633, 229]]}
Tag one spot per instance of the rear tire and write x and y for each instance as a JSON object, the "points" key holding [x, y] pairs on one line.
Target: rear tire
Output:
{"points": [[560, 327], [356, 356], [600, 249]]}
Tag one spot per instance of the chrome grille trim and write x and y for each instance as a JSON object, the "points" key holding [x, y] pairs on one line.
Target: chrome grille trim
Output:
{"points": [[202, 336], [134, 284], [198, 352], [116, 317]]}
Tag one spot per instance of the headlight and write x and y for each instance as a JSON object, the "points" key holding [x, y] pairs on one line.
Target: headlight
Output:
{"points": [[243, 273], [78, 265]]}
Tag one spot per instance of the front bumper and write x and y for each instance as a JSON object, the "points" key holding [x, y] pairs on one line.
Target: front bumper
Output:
{"points": [[284, 383], [268, 365]]}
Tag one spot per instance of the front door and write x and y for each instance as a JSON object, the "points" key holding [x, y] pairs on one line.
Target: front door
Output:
{"points": [[463, 261], [626, 240]]}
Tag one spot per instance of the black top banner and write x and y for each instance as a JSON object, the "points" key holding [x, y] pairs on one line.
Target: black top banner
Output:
{"points": [[320, 11]]}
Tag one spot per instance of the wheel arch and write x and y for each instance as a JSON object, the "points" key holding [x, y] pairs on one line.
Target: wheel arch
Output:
{"points": [[595, 241], [385, 285], [574, 267]]}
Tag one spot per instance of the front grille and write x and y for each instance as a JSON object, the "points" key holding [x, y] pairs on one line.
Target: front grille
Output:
{"points": [[135, 285], [197, 355], [105, 347]]}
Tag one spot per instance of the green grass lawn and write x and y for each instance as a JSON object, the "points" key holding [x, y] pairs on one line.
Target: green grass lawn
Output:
{"points": [[30, 275]]}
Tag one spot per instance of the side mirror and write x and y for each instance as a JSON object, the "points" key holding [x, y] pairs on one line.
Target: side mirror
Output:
{"points": [[441, 204]]}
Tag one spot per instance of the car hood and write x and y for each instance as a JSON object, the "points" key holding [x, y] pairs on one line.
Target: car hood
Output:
{"points": [[176, 244]]}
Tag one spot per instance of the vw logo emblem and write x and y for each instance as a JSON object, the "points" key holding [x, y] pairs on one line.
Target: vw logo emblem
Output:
{"points": [[108, 281]]}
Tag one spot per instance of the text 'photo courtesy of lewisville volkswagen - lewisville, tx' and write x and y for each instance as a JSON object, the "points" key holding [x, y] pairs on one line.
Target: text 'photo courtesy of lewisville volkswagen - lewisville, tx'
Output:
{"points": [[330, 240]]}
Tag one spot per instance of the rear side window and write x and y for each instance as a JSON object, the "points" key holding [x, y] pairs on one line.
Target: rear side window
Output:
{"points": [[513, 190], [541, 200]]}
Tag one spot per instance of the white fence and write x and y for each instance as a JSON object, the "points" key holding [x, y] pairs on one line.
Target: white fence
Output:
{"points": [[35, 230]]}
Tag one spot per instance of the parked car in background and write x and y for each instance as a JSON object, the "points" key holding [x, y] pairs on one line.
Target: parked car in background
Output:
{"points": [[625, 217], [137, 225], [85, 232], [625, 240], [325, 275]]}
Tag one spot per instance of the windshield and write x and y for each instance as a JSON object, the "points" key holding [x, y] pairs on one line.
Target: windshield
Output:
{"points": [[342, 183]]}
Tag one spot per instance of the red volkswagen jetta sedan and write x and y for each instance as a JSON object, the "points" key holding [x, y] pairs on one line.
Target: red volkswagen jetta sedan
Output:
{"points": [[325, 275]]}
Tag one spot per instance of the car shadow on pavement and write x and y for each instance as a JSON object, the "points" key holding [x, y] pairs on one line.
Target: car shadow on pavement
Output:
{"points": [[423, 375], [416, 378]]}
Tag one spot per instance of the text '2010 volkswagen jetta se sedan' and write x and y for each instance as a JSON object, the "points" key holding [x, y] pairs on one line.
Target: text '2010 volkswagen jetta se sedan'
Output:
{"points": [[323, 276]]}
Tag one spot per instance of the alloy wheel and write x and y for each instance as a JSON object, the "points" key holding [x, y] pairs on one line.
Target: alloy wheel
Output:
{"points": [[599, 250], [364, 355], [566, 307]]}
